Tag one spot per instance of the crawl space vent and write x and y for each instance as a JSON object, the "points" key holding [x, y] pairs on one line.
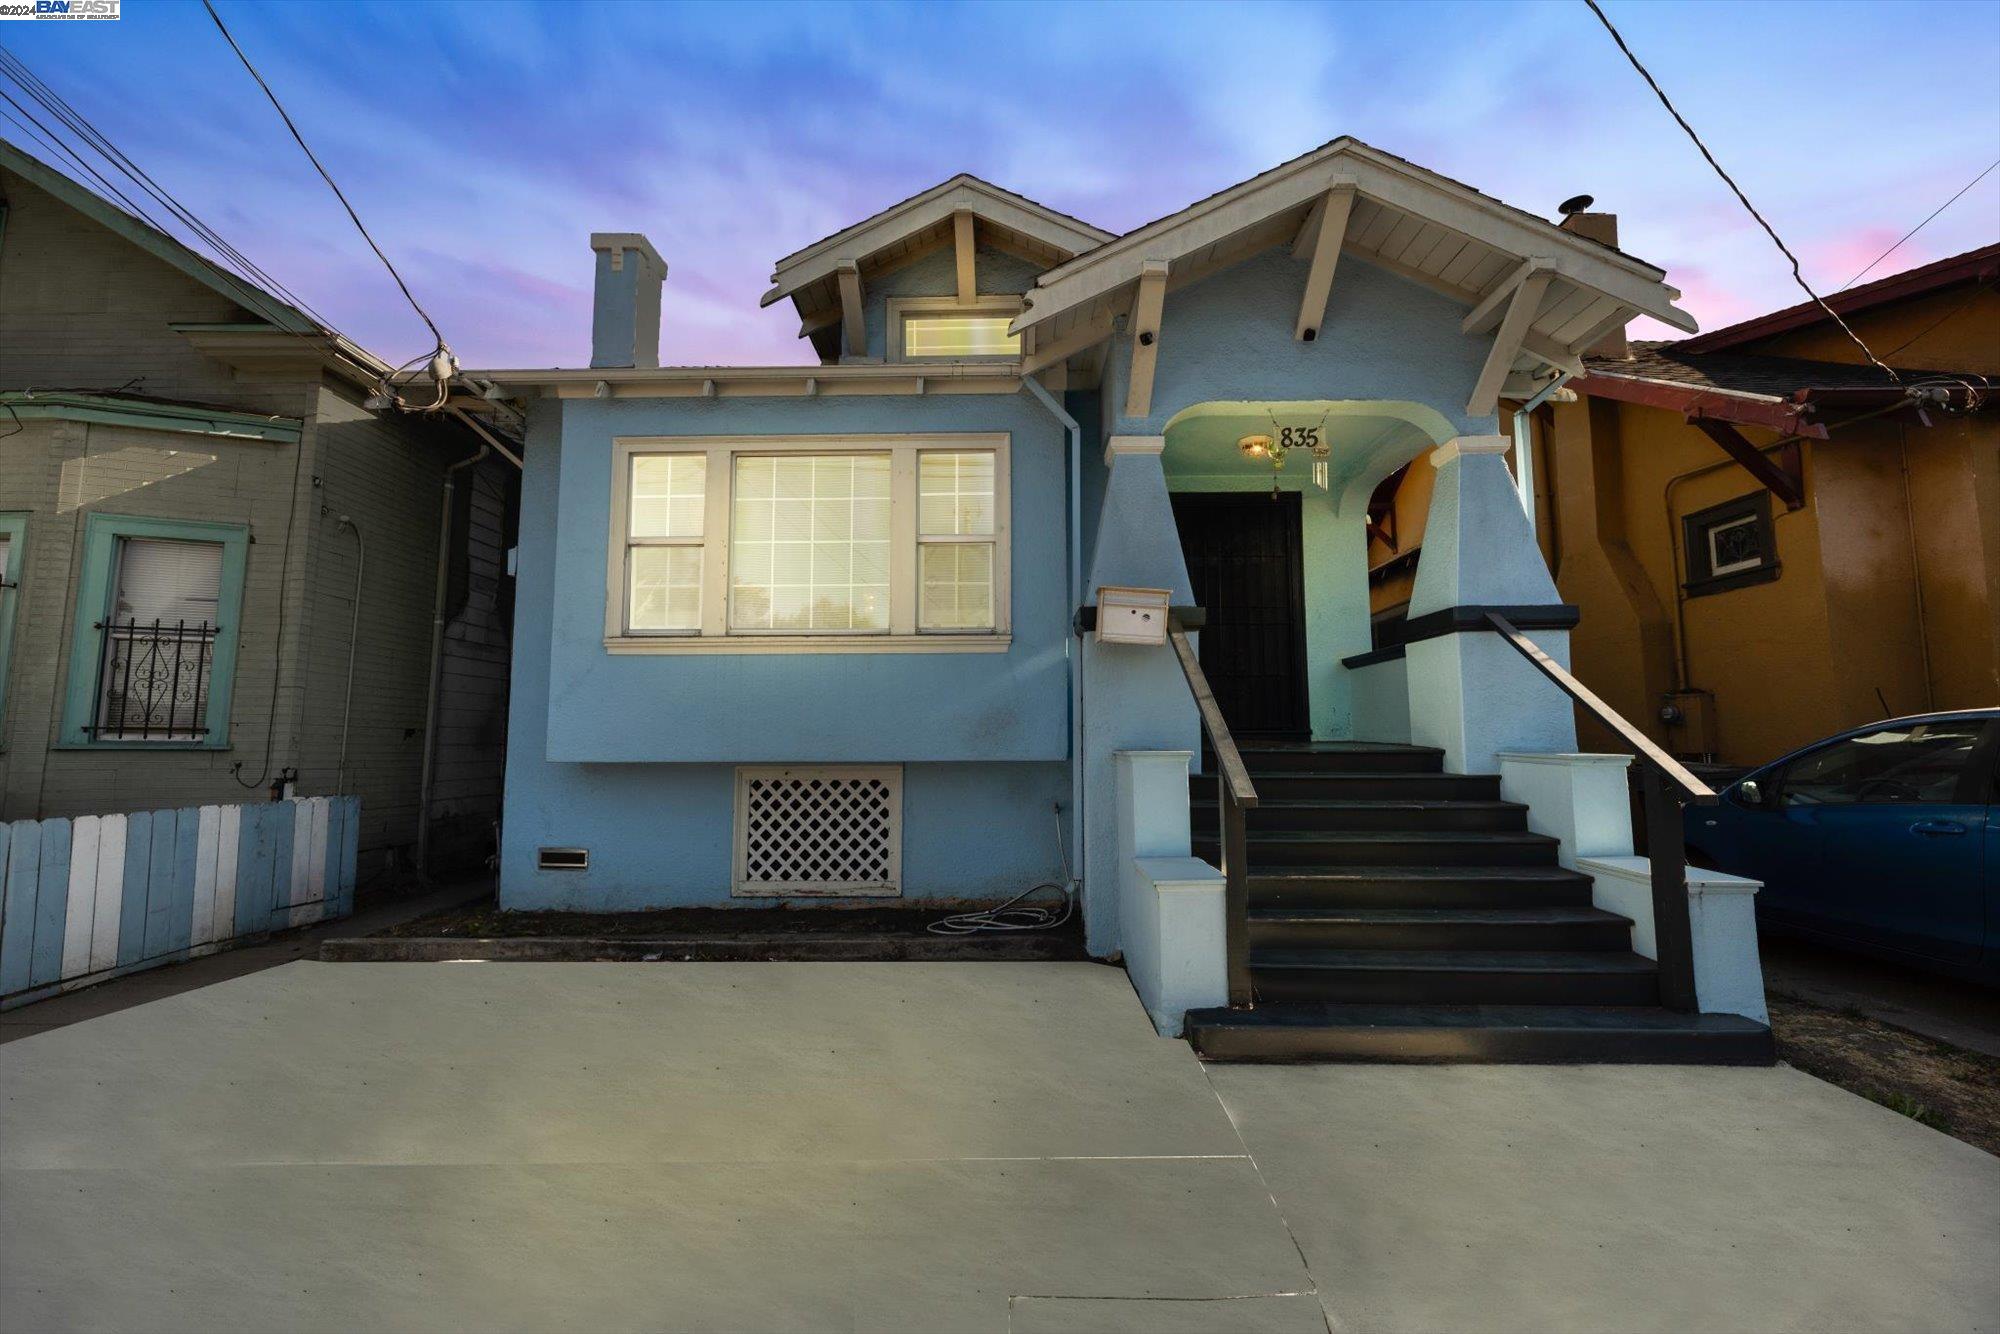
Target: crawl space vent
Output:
{"points": [[820, 829]]}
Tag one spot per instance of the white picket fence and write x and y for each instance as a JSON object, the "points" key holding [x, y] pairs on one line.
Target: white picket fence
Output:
{"points": [[92, 897]]}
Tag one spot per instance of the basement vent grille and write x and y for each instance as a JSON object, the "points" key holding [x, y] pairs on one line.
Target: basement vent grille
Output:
{"points": [[820, 829], [563, 859]]}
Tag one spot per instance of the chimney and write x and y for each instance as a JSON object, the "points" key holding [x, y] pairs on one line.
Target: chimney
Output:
{"points": [[1603, 228], [625, 314]]}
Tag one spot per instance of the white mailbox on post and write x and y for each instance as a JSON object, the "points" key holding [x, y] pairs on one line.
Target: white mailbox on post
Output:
{"points": [[1132, 615]]}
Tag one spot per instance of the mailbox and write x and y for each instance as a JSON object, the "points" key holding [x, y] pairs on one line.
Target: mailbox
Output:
{"points": [[1132, 615]]}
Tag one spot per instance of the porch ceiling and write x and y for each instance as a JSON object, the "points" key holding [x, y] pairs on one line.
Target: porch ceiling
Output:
{"points": [[1366, 439]]}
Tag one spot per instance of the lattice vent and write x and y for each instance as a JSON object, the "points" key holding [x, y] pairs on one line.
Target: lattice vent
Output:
{"points": [[822, 829]]}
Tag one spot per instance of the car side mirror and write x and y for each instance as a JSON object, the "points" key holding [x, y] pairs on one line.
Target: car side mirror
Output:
{"points": [[1751, 792]]}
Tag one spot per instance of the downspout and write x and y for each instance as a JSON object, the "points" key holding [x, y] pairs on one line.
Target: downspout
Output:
{"points": [[1072, 649], [437, 656], [1916, 569], [353, 640]]}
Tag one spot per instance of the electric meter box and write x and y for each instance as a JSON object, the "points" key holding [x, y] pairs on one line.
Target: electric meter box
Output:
{"points": [[1132, 615]]}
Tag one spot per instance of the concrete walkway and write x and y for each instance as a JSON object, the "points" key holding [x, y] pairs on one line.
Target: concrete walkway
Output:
{"points": [[990, 1147], [141, 988]]}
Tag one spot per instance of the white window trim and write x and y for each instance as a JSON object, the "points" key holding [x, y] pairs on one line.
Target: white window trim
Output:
{"points": [[1710, 531], [900, 306], [715, 636]]}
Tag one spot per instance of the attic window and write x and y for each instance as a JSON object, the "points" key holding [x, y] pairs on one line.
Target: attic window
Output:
{"points": [[941, 329]]}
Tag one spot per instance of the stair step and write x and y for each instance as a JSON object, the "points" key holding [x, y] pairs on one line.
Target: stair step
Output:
{"points": [[1419, 887], [1340, 757], [1427, 1034], [1401, 847], [1454, 977], [1402, 929], [1360, 785], [1377, 815]]}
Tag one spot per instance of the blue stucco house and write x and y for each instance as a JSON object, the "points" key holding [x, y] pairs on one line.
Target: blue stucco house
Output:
{"points": [[833, 631]]}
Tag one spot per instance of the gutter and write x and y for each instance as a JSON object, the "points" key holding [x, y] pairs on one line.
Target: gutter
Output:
{"points": [[1770, 412], [1072, 650]]}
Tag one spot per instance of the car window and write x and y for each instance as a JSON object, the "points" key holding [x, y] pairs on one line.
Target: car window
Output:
{"points": [[1919, 762]]}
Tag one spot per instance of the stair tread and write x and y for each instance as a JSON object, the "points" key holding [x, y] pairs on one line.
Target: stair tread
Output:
{"points": [[1584, 1018], [1552, 916], [1335, 875], [1390, 836], [1455, 961], [1335, 748], [1370, 803], [1347, 775]]}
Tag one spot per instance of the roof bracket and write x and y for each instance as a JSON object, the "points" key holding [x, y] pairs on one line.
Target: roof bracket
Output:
{"points": [[1778, 472]]}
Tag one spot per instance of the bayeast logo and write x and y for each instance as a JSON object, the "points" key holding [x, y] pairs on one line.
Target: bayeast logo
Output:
{"points": [[59, 9]]}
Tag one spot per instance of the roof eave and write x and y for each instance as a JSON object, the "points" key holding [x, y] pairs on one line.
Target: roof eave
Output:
{"points": [[1391, 183], [863, 239], [1973, 266], [1768, 411]]}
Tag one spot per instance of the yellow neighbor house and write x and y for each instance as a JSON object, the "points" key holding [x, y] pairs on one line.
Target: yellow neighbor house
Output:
{"points": [[1769, 538]]}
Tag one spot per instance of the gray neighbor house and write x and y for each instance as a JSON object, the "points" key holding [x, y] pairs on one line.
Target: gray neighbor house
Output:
{"points": [[226, 574]]}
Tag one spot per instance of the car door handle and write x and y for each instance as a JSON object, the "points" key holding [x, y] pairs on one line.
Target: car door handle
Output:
{"points": [[1936, 827]]}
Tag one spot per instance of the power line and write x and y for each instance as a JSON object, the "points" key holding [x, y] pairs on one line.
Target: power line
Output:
{"points": [[325, 176], [1797, 275], [258, 283], [1920, 226]]}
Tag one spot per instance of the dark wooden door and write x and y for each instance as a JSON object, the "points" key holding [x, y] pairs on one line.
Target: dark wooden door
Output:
{"points": [[1243, 557]]}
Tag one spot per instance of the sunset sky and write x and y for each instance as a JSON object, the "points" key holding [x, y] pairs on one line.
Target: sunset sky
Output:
{"points": [[482, 143]]}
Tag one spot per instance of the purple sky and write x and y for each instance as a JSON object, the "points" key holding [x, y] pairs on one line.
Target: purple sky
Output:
{"points": [[482, 143]]}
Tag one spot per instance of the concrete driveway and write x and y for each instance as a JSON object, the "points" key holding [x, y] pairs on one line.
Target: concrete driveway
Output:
{"points": [[986, 1147]]}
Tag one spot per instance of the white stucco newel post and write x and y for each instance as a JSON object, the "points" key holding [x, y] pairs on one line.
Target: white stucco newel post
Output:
{"points": [[1471, 694]]}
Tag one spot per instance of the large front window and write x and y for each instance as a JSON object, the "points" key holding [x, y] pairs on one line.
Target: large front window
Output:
{"points": [[896, 541], [809, 543]]}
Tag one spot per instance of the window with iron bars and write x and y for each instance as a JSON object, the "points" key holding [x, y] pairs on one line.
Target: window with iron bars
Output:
{"points": [[153, 681], [157, 655]]}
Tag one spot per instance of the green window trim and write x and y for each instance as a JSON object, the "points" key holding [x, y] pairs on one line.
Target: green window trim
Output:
{"points": [[13, 527], [111, 410], [94, 594]]}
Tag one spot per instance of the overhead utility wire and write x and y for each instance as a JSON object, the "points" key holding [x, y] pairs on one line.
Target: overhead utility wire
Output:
{"points": [[443, 364], [1797, 276], [1926, 222], [26, 120], [96, 139], [259, 282]]}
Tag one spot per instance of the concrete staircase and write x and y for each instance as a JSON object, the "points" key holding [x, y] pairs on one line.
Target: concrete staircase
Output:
{"points": [[1400, 913]]}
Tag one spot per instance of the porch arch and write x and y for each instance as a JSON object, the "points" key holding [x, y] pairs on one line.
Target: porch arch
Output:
{"points": [[1366, 440]]}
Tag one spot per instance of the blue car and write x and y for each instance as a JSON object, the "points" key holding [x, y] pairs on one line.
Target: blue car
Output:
{"points": [[1884, 839]]}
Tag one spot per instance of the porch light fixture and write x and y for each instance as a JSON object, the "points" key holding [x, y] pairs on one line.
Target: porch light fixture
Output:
{"points": [[1264, 447]]}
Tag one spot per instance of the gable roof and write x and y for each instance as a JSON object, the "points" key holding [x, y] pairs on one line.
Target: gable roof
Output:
{"points": [[277, 314], [1422, 226], [1974, 266], [905, 226]]}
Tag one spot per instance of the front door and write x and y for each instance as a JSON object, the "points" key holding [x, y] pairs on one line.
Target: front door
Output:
{"points": [[1243, 557]]}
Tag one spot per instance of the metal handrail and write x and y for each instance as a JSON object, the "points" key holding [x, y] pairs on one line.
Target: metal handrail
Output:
{"points": [[1235, 794], [1666, 786]]}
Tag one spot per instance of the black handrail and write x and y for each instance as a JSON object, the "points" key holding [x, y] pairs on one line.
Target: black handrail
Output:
{"points": [[1666, 850], [1234, 795]]}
